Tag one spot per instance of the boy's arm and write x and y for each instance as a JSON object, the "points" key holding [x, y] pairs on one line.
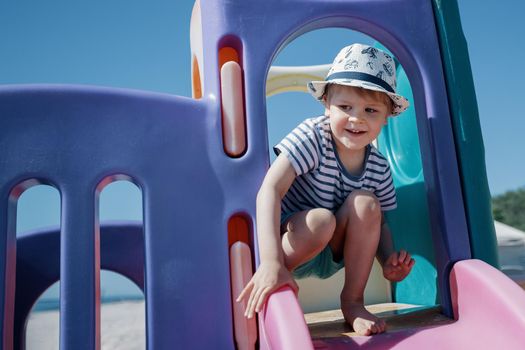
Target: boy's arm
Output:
{"points": [[271, 273], [386, 245], [396, 265], [276, 183]]}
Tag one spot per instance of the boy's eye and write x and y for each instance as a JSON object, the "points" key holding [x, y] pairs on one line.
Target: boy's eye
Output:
{"points": [[345, 107], [371, 110]]}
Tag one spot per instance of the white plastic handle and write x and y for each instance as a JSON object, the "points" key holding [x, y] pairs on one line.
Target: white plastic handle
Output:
{"points": [[234, 135], [283, 79]]}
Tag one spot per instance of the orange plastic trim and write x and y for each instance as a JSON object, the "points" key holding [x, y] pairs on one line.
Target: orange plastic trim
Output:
{"points": [[227, 54], [238, 230], [196, 79]]}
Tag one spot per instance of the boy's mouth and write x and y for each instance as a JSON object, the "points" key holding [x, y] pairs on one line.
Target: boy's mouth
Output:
{"points": [[355, 132]]}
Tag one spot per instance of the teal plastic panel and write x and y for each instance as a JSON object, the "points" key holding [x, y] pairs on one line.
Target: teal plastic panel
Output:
{"points": [[409, 223]]}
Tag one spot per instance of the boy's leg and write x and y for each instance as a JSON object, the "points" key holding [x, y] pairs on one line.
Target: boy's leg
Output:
{"points": [[306, 234], [356, 239]]}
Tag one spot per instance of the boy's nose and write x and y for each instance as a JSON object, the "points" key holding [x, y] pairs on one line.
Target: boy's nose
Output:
{"points": [[356, 118]]}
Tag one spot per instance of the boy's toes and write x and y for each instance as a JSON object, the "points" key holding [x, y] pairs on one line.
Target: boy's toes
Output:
{"points": [[362, 321], [365, 327], [381, 326]]}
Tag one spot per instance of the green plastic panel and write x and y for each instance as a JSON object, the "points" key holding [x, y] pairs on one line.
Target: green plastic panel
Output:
{"points": [[467, 131]]}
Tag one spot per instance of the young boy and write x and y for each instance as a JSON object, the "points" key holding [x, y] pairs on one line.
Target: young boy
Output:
{"points": [[320, 207]]}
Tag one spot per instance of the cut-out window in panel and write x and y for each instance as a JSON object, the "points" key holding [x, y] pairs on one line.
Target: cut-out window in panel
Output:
{"points": [[38, 256], [123, 308], [120, 200], [38, 207], [296, 65]]}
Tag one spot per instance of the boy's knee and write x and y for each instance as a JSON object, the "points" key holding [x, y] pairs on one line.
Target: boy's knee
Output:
{"points": [[364, 204], [322, 224]]}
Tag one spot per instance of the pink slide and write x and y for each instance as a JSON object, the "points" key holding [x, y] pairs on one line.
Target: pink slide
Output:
{"points": [[489, 313]]}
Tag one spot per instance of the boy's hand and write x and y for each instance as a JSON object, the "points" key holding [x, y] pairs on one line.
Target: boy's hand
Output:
{"points": [[398, 266], [269, 277]]}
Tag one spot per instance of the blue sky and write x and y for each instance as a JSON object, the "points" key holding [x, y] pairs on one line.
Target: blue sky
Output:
{"points": [[145, 45]]}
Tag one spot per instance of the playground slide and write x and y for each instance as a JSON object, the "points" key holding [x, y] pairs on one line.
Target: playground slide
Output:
{"points": [[484, 302]]}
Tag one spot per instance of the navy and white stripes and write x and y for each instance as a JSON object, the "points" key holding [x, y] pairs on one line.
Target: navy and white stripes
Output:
{"points": [[322, 181]]}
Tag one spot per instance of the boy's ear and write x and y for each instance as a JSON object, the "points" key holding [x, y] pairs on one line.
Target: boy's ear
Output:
{"points": [[326, 106]]}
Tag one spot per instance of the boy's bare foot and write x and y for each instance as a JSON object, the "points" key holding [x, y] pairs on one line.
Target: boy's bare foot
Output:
{"points": [[362, 321]]}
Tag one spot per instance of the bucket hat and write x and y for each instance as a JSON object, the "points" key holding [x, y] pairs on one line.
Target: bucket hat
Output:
{"points": [[366, 67]]}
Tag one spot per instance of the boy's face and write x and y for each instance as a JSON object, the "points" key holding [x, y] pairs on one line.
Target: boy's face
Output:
{"points": [[356, 119]]}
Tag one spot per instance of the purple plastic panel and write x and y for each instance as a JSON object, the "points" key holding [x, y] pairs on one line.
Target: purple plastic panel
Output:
{"points": [[404, 27], [75, 137]]}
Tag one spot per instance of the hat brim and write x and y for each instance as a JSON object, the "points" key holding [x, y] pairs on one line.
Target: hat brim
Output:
{"points": [[400, 103]]}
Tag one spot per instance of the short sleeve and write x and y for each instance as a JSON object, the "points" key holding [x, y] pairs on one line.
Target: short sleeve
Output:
{"points": [[386, 193], [301, 147]]}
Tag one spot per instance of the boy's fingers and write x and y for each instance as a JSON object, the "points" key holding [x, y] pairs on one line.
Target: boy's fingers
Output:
{"points": [[249, 309], [412, 263], [407, 259], [255, 301], [246, 289], [402, 255], [262, 299], [246, 310], [249, 305], [394, 258]]}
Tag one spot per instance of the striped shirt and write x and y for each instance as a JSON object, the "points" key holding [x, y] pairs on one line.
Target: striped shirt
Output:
{"points": [[322, 180]]}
